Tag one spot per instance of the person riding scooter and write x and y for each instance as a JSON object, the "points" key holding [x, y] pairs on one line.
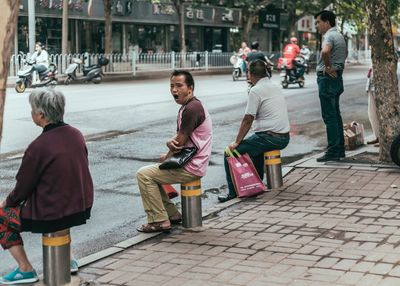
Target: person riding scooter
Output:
{"points": [[41, 60], [290, 52]]}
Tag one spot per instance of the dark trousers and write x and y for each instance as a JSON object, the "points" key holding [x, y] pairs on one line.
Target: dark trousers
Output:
{"points": [[330, 90], [255, 146]]}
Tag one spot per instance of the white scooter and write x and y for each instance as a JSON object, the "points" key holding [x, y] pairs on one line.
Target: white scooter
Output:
{"points": [[92, 73], [239, 66], [47, 77]]}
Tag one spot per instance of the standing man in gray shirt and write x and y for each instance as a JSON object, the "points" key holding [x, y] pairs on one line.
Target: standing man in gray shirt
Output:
{"points": [[330, 83]]}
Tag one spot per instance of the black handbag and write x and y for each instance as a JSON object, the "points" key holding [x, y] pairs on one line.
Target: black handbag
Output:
{"points": [[178, 160]]}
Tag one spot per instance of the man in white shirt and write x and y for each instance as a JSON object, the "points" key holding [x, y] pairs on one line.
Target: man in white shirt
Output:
{"points": [[267, 113]]}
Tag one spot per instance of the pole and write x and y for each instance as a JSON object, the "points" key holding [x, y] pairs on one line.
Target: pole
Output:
{"points": [[56, 258], [64, 34], [32, 26], [273, 167], [191, 204]]}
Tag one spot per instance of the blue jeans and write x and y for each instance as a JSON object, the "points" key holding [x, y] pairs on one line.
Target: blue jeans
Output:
{"points": [[255, 146], [39, 68], [330, 90]]}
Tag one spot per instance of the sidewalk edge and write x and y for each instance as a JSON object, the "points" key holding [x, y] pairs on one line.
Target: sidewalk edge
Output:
{"points": [[121, 246]]}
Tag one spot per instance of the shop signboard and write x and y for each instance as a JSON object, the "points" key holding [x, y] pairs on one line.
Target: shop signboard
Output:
{"points": [[137, 12], [269, 19]]}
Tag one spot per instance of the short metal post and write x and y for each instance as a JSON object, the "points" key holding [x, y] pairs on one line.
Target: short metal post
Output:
{"points": [[191, 204], [206, 60], [56, 258], [172, 60], [273, 168], [133, 54]]}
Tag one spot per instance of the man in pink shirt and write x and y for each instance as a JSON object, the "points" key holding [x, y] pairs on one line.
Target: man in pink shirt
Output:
{"points": [[194, 128]]}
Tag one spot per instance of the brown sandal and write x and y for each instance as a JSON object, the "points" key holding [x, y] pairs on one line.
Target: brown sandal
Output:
{"points": [[153, 227]]}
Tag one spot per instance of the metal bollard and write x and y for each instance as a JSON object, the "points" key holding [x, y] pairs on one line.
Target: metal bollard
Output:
{"points": [[56, 258], [191, 204], [272, 160]]}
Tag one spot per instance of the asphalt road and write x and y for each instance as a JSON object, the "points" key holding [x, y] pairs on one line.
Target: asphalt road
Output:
{"points": [[126, 125]]}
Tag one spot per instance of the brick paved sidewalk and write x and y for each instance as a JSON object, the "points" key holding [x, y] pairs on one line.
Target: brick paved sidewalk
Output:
{"points": [[325, 227]]}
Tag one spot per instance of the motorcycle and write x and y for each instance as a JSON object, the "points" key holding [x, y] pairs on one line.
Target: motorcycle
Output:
{"points": [[47, 77], [292, 71], [93, 73], [239, 66]]}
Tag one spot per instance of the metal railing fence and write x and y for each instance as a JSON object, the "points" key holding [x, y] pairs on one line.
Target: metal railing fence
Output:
{"points": [[152, 62], [134, 63]]}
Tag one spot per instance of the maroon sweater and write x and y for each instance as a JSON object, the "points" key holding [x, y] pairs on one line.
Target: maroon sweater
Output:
{"points": [[54, 185]]}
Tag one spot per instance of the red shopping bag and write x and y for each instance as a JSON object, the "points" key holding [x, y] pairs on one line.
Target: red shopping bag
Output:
{"points": [[170, 190], [244, 175]]}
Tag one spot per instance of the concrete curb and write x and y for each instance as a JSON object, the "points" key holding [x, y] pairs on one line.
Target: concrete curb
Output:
{"points": [[128, 76]]}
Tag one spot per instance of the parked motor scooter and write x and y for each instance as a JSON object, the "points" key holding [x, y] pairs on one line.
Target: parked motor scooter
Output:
{"points": [[292, 71], [93, 73], [239, 66], [47, 77]]}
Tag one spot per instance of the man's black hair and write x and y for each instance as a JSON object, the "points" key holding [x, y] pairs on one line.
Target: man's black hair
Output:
{"points": [[188, 77], [258, 68], [326, 15]]}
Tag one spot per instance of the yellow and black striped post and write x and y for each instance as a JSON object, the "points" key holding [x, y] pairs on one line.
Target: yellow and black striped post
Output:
{"points": [[56, 258], [273, 167], [191, 204]]}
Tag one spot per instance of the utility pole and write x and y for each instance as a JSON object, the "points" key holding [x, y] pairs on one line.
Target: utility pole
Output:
{"points": [[64, 40], [32, 25]]}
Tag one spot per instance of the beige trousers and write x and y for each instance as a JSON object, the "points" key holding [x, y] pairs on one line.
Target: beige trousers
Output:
{"points": [[156, 203]]}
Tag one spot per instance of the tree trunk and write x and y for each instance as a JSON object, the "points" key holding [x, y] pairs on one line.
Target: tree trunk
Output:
{"points": [[384, 63], [248, 22], [8, 23], [180, 10], [64, 40], [108, 26]]}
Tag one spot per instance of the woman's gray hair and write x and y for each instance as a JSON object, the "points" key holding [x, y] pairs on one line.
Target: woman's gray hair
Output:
{"points": [[49, 102]]}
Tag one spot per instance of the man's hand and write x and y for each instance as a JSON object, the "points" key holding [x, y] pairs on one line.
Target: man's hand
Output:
{"points": [[233, 146], [173, 145], [2, 204], [330, 71], [162, 158]]}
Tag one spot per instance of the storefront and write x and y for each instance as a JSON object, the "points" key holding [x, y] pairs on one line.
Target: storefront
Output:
{"points": [[138, 25]]}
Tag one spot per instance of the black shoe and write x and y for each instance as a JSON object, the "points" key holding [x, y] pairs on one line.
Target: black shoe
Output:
{"points": [[327, 158], [223, 199]]}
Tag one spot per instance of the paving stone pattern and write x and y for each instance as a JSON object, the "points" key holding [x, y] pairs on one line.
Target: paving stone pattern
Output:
{"points": [[324, 227]]}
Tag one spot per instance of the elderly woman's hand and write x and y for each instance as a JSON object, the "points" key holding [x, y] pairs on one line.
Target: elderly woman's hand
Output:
{"points": [[2, 204]]}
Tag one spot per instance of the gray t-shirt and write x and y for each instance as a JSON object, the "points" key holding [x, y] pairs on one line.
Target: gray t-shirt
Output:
{"points": [[268, 106], [338, 53]]}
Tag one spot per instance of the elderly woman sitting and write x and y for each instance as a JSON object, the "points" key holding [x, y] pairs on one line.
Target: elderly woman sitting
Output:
{"points": [[54, 189]]}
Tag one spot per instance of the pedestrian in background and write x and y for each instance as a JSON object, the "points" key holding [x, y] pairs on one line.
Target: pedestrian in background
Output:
{"points": [[372, 115], [54, 189], [267, 113], [194, 127], [330, 83]]}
